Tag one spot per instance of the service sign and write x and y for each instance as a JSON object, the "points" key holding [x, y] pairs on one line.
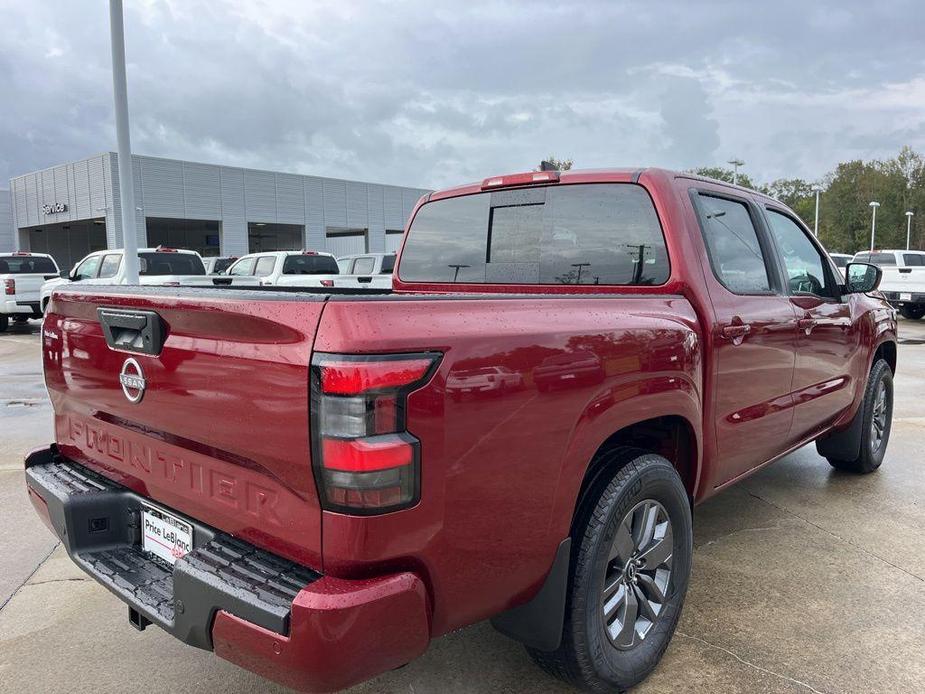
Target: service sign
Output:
{"points": [[54, 208]]}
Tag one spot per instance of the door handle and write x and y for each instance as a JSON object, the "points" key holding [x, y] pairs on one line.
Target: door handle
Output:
{"points": [[806, 324], [734, 332]]}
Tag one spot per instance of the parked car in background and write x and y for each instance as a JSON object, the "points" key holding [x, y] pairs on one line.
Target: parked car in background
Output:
{"points": [[287, 268], [483, 380], [285, 477], [21, 277], [841, 261], [156, 266], [903, 282], [216, 265], [366, 271]]}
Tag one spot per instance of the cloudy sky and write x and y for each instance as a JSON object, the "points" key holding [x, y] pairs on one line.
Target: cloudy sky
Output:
{"points": [[432, 93]]}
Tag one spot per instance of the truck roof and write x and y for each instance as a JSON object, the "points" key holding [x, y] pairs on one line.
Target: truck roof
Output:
{"points": [[606, 175]]}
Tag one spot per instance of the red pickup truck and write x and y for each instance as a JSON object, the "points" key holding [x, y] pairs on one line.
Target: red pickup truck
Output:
{"points": [[285, 477]]}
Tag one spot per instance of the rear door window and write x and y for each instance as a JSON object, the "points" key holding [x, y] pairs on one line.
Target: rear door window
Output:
{"points": [[364, 266], [732, 243], [306, 264], [265, 266], [602, 233], [110, 265], [913, 259], [388, 264]]}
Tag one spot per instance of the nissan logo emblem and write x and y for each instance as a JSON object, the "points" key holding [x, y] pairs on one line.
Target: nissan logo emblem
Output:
{"points": [[132, 379]]}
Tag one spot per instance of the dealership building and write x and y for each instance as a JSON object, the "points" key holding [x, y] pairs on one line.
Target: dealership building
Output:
{"points": [[72, 209]]}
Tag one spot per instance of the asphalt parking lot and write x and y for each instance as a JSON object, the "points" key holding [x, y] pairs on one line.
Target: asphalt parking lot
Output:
{"points": [[804, 580]]}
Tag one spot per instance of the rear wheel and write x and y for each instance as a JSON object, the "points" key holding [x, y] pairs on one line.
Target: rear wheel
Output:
{"points": [[630, 568], [877, 413], [912, 312], [21, 319], [4, 323]]}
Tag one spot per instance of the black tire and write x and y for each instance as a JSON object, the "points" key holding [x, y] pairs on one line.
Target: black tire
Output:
{"points": [[4, 323], [20, 319], [586, 657], [914, 312], [872, 450]]}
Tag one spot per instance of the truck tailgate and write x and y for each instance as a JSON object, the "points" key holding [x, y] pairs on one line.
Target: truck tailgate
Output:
{"points": [[219, 431]]}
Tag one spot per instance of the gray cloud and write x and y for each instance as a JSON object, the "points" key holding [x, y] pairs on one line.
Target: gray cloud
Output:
{"points": [[435, 93]]}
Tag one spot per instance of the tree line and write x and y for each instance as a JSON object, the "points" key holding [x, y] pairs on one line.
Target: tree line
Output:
{"points": [[898, 184]]}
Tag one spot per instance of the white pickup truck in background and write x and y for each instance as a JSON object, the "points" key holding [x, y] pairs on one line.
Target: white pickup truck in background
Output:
{"points": [[365, 271], [21, 277], [156, 266], [903, 282]]}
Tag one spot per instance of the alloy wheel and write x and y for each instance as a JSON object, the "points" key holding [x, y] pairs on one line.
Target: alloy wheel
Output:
{"points": [[638, 574]]}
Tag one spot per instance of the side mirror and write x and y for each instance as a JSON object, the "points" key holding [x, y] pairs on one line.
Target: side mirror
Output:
{"points": [[861, 278]]}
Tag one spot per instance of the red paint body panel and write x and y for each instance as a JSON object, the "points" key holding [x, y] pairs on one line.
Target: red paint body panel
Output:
{"points": [[222, 433]]}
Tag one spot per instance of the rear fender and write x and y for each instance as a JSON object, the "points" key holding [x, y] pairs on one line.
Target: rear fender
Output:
{"points": [[616, 409]]}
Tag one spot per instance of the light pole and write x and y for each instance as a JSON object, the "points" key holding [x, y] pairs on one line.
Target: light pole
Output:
{"points": [[908, 227], [736, 163], [873, 223], [123, 143], [817, 189]]}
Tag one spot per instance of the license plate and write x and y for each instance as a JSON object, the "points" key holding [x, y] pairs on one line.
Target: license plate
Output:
{"points": [[164, 535], [905, 297]]}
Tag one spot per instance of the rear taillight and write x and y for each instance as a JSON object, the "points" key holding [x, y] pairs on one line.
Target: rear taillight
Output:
{"points": [[365, 459], [9, 287], [327, 283]]}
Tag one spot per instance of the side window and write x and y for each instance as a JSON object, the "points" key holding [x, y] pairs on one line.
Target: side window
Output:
{"points": [[344, 264], [364, 266], [805, 266], [732, 243], [88, 268], [110, 265], [913, 259], [265, 265], [245, 266], [388, 264]]}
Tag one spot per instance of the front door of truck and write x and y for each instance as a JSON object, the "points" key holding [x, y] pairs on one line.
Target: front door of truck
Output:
{"points": [[753, 335], [827, 354]]}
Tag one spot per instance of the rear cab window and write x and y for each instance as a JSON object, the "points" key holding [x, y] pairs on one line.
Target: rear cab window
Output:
{"points": [[169, 263], [309, 264], [879, 259], [588, 234], [27, 265]]}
